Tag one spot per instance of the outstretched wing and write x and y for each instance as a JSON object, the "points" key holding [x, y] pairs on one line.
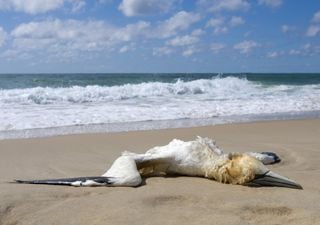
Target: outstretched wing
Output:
{"points": [[77, 181], [123, 172]]}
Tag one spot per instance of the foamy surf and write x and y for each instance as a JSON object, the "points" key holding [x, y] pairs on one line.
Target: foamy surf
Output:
{"points": [[150, 105]]}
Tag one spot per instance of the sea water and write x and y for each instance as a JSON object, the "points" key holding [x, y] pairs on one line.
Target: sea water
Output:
{"points": [[36, 105]]}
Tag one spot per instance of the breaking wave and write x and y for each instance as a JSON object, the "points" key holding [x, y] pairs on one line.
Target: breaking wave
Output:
{"points": [[42, 107], [216, 87]]}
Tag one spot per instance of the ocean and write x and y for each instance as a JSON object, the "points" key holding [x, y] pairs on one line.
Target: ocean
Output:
{"points": [[38, 105]]}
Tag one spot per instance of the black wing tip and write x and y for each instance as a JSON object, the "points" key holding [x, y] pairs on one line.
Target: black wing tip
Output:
{"points": [[29, 182], [67, 181], [22, 181]]}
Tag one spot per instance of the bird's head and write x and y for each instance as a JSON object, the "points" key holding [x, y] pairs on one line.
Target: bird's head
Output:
{"points": [[247, 170]]}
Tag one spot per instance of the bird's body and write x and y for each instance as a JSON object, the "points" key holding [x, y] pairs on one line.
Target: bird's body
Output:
{"points": [[200, 157], [178, 157]]}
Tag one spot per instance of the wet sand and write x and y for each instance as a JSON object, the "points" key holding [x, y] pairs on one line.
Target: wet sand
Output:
{"points": [[171, 200]]}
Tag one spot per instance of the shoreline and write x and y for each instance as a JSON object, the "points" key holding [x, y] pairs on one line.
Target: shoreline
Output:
{"points": [[184, 200], [153, 125]]}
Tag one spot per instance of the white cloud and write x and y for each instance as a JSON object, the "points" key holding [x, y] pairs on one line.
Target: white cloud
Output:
{"points": [[217, 47], [306, 46], [3, 36], [104, 1], [310, 49], [270, 3], [294, 52], [144, 7], [67, 38], [272, 54], [162, 51], [220, 30], [245, 47], [189, 51], [247, 34], [9, 54], [124, 49], [236, 21], [313, 30], [127, 48], [228, 5], [77, 5], [316, 17], [186, 44], [58, 29], [275, 54], [183, 40], [72, 36], [130, 31], [31, 6], [198, 32], [219, 24], [306, 50], [215, 22], [178, 22], [287, 28], [40, 6]]}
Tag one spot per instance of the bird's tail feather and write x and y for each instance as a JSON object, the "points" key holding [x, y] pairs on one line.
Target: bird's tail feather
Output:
{"points": [[77, 181]]}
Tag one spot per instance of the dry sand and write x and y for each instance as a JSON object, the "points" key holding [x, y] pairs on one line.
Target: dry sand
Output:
{"points": [[178, 200]]}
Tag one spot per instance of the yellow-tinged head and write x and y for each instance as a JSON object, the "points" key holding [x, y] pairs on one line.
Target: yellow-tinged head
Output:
{"points": [[247, 170]]}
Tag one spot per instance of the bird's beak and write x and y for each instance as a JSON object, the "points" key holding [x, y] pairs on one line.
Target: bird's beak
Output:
{"points": [[273, 179]]}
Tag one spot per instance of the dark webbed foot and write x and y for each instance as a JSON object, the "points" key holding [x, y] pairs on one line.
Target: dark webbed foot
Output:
{"points": [[275, 157]]}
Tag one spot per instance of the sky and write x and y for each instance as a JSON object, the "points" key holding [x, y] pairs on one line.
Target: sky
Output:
{"points": [[155, 36]]}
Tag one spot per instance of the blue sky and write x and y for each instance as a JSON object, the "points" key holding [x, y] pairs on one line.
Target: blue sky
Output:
{"points": [[159, 36]]}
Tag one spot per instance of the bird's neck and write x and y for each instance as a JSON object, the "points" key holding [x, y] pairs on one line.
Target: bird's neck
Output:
{"points": [[227, 169], [224, 169], [216, 169]]}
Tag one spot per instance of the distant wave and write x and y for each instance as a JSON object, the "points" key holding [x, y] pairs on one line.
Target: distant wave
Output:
{"points": [[214, 88]]}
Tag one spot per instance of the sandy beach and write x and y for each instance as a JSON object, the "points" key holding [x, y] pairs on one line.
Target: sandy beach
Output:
{"points": [[174, 200]]}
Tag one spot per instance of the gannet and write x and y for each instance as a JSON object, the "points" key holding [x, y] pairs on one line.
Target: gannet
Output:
{"points": [[200, 158]]}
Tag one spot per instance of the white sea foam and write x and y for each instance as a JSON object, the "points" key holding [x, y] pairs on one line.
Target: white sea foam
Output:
{"points": [[199, 99]]}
